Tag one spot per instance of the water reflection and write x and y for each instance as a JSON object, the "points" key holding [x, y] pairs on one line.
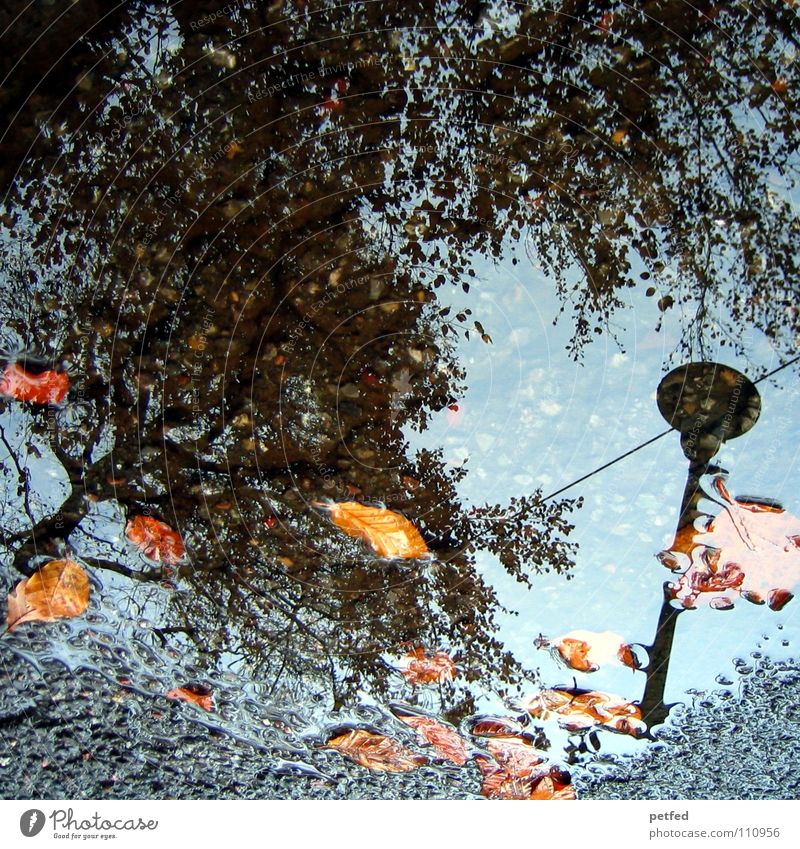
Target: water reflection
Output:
{"points": [[294, 255]]}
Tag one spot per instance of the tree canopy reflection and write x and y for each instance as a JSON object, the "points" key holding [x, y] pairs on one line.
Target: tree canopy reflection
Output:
{"points": [[233, 229]]}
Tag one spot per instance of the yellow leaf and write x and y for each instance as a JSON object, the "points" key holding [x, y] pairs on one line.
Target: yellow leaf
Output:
{"points": [[375, 751], [59, 590], [388, 534]]}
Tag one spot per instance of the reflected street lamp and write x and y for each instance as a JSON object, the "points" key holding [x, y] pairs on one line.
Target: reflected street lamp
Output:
{"points": [[708, 404]]}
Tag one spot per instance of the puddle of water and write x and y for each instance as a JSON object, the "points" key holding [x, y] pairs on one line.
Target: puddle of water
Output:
{"points": [[440, 277]]}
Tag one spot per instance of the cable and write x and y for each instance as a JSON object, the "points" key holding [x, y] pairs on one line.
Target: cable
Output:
{"points": [[610, 463], [776, 370], [651, 440]]}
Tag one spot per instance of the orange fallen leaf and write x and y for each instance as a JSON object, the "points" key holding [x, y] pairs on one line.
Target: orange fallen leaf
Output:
{"points": [[574, 653], [499, 784], [546, 784], [511, 746], [516, 769], [627, 657], [587, 651], [445, 740], [577, 709], [196, 694], [535, 201], [619, 136], [155, 540], [497, 726], [516, 755], [550, 787], [59, 590], [49, 387], [751, 549], [421, 667], [779, 86], [388, 534], [375, 751]]}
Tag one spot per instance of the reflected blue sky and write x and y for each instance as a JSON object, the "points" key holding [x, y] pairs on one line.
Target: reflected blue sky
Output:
{"points": [[534, 417]]}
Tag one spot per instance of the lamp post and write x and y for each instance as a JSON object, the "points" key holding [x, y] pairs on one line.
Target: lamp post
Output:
{"points": [[708, 404]]}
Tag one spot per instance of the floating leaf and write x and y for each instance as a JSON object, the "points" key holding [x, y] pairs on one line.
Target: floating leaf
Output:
{"points": [[516, 769], [750, 550], [388, 534], [421, 667], [445, 740], [48, 387], [198, 694], [627, 657], [512, 747], [551, 783], [155, 540], [587, 651], [779, 598], [375, 751], [575, 654], [553, 788], [497, 726], [516, 755], [579, 709], [59, 590]]}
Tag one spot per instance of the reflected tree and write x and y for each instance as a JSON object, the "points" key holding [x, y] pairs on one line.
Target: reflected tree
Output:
{"points": [[238, 223]]}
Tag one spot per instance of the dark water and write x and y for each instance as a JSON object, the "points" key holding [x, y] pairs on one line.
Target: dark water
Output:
{"points": [[430, 256]]}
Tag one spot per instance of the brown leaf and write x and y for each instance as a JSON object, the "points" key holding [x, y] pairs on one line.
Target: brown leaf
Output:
{"points": [[49, 387], [155, 540], [551, 789], [445, 741], [497, 726], [500, 784], [749, 550], [511, 746], [375, 751], [388, 534], [421, 667], [545, 783], [587, 651], [575, 654], [516, 755], [59, 590], [197, 694], [579, 709], [627, 657]]}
